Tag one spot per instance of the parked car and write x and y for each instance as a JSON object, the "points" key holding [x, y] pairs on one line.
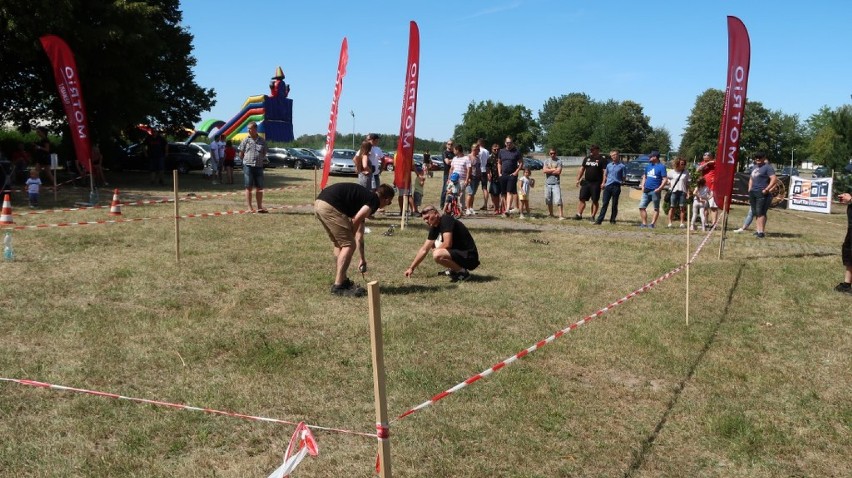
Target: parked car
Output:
{"points": [[387, 162], [821, 172], [633, 172], [293, 158], [205, 151], [533, 164], [315, 153], [789, 171], [343, 162], [181, 156]]}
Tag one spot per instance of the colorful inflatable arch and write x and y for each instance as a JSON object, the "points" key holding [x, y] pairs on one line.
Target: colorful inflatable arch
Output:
{"points": [[273, 114]]}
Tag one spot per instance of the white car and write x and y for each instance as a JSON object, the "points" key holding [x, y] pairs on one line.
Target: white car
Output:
{"points": [[343, 162], [204, 148]]}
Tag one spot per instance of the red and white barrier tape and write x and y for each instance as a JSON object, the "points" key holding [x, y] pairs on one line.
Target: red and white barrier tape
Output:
{"points": [[149, 201], [560, 333], [304, 440], [179, 406], [137, 219]]}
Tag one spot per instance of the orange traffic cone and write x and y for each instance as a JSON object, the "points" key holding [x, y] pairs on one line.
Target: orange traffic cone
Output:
{"points": [[6, 215], [115, 208]]}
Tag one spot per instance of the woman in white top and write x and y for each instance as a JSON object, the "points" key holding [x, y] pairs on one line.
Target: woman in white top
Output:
{"points": [[362, 165], [700, 203], [679, 181]]}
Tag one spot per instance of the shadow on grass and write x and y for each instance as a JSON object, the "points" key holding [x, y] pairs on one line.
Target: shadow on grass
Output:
{"points": [[782, 235], [640, 456], [437, 287]]}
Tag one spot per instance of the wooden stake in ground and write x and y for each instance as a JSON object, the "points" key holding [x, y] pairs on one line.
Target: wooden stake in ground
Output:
{"points": [[404, 212], [377, 348], [724, 227], [315, 182], [177, 217], [689, 216]]}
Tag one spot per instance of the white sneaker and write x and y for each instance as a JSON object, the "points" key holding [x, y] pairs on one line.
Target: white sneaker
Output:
{"points": [[514, 210], [669, 226], [522, 216], [739, 230]]}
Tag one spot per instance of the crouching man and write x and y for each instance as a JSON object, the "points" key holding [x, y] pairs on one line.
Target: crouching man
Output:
{"points": [[451, 244]]}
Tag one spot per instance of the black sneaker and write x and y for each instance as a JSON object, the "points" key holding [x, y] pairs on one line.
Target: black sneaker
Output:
{"points": [[353, 291], [577, 217], [347, 283], [760, 235], [460, 276], [844, 287], [445, 272]]}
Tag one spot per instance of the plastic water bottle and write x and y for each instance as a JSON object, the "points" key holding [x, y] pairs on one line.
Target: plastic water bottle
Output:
{"points": [[8, 252]]}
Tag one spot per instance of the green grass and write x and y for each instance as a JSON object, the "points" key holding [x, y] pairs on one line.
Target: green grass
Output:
{"points": [[757, 384]]}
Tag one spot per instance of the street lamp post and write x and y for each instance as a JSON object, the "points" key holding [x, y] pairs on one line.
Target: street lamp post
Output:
{"points": [[352, 112], [791, 160]]}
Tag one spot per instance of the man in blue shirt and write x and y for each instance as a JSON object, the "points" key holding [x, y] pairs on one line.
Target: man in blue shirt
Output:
{"points": [[761, 182], [613, 178], [653, 181]]}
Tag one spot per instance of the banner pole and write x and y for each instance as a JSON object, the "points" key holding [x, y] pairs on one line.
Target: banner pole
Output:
{"points": [[315, 183], [724, 227], [404, 213], [688, 235], [377, 350], [177, 216]]}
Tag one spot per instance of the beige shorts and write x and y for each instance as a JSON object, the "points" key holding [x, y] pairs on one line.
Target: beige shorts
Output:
{"points": [[337, 225]]}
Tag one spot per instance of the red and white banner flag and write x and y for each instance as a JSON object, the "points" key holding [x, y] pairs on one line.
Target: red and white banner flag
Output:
{"points": [[730, 131], [71, 94], [405, 148], [332, 121]]}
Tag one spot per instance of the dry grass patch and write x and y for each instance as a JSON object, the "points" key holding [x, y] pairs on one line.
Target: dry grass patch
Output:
{"points": [[756, 385]]}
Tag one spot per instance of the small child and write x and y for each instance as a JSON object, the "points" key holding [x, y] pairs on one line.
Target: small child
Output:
{"points": [[701, 195], [451, 205], [33, 187], [417, 190], [526, 183]]}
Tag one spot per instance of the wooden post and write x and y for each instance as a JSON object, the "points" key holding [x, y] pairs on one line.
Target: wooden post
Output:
{"points": [[315, 182], [177, 217], [404, 211], [688, 252], [724, 227], [377, 348]]}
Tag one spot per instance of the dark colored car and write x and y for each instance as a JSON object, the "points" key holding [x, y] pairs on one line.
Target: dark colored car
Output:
{"points": [[293, 158], [821, 172], [533, 164], [789, 171], [633, 172], [182, 157]]}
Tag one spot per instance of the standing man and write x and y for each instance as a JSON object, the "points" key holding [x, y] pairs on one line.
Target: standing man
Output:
{"points": [[475, 178], [376, 155], [494, 178], [447, 158], [451, 244], [653, 181], [613, 178], [707, 168], [253, 154], [156, 148], [484, 156], [846, 249], [217, 158], [760, 185], [341, 209], [509, 164], [589, 180], [552, 191]]}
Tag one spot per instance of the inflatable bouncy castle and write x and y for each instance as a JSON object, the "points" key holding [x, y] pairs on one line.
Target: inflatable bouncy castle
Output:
{"points": [[273, 114]]}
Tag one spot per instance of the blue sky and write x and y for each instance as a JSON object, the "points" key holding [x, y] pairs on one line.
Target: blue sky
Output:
{"points": [[660, 54]]}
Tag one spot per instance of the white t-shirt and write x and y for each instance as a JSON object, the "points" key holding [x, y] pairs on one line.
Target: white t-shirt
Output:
{"points": [[33, 185], [217, 150], [682, 183], [483, 159], [376, 156]]}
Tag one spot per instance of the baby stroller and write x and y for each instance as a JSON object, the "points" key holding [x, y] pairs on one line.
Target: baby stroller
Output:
{"points": [[7, 176]]}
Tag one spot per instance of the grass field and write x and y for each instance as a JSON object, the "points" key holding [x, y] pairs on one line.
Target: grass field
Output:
{"points": [[758, 384]]}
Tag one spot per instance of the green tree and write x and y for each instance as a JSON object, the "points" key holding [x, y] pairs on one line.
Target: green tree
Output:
{"points": [[494, 121], [134, 59], [829, 136], [658, 139], [702, 127]]}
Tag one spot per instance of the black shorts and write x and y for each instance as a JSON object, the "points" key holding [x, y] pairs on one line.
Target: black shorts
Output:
{"points": [[590, 190], [467, 259], [846, 249], [508, 184], [759, 203]]}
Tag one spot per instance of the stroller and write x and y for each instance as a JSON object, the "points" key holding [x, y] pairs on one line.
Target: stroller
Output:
{"points": [[7, 176]]}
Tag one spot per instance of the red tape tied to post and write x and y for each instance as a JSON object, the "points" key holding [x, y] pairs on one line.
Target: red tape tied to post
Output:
{"points": [[302, 439]]}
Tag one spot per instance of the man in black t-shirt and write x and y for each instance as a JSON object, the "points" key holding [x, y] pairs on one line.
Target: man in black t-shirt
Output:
{"points": [[341, 209], [846, 248], [451, 244], [589, 180]]}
